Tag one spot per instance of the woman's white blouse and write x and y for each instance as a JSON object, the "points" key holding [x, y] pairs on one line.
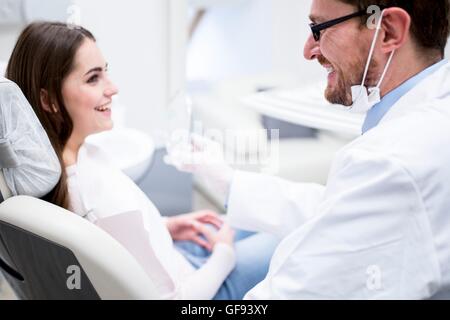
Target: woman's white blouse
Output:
{"points": [[105, 196]]}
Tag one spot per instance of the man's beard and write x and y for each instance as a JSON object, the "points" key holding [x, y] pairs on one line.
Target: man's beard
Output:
{"points": [[341, 92]]}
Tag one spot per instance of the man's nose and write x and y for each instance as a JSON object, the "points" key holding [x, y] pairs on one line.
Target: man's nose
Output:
{"points": [[312, 48]]}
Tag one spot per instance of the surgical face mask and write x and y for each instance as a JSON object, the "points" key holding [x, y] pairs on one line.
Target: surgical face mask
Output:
{"points": [[365, 98]]}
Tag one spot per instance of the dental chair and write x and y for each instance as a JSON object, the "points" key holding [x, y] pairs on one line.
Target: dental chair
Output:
{"points": [[47, 252]]}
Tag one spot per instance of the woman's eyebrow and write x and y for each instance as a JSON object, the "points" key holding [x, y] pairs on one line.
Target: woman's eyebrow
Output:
{"points": [[96, 69]]}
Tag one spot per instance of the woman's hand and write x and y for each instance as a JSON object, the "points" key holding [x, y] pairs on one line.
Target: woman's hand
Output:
{"points": [[191, 227], [225, 235]]}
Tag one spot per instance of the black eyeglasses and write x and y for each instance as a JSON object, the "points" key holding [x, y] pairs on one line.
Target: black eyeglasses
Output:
{"points": [[317, 28]]}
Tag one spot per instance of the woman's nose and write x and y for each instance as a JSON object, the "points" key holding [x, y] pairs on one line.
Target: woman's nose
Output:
{"points": [[111, 89], [312, 49]]}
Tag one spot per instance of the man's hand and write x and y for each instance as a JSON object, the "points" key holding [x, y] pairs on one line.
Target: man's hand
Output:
{"points": [[205, 159], [191, 227]]}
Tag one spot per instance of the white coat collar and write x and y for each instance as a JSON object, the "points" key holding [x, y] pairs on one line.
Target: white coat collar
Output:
{"points": [[435, 86]]}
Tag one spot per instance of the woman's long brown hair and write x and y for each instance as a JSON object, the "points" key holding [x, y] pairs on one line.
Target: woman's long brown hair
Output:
{"points": [[42, 59]]}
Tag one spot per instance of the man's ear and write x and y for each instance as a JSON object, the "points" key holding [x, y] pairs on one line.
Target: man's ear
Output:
{"points": [[396, 25], [46, 103]]}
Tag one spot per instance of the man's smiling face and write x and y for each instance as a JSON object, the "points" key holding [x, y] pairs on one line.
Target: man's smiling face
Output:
{"points": [[342, 49]]}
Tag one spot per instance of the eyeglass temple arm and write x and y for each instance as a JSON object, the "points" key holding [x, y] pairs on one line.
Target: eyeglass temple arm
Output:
{"points": [[331, 23]]}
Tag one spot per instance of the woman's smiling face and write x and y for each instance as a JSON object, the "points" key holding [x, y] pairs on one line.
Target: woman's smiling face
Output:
{"points": [[87, 92]]}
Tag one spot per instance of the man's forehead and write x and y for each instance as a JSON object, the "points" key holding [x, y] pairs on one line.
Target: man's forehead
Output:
{"points": [[322, 10]]}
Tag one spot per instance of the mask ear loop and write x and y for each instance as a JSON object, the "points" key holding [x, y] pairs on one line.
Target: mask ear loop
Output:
{"points": [[385, 69], [372, 49]]}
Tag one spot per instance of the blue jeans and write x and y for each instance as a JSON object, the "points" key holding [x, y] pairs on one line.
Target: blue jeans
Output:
{"points": [[253, 254]]}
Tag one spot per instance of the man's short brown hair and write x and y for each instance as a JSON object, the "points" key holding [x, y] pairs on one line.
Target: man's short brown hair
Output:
{"points": [[430, 22]]}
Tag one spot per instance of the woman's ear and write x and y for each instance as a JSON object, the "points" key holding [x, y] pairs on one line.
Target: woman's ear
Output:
{"points": [[396, 25], [46, 103]]}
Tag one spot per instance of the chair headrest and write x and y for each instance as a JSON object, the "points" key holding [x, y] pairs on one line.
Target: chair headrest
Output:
{"points": [[27, 159]]}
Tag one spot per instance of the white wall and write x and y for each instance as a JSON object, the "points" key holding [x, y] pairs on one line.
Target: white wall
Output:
{"points": [[144, 43], [252, 37], [231, 40], [8, 38], [20, 12], [11, 19], [289, 33]]}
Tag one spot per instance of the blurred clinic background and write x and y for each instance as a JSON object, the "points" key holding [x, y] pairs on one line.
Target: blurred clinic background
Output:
{"points": [[240, 63]]}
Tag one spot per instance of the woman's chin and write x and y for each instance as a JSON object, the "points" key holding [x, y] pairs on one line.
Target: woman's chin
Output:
{"points": [[103, 128], [107, 125]]}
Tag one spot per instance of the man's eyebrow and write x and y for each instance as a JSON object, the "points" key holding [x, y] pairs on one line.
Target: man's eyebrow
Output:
{"points": [[313, 18]]}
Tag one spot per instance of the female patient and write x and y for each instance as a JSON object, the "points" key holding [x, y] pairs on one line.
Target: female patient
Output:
{"points": [[64, 76]]}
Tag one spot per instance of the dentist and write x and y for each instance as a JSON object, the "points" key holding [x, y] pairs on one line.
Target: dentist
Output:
{"points": [[380, 228]]}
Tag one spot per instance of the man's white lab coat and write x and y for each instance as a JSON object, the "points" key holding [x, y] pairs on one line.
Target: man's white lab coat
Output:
{"points": [[380, 229]]}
